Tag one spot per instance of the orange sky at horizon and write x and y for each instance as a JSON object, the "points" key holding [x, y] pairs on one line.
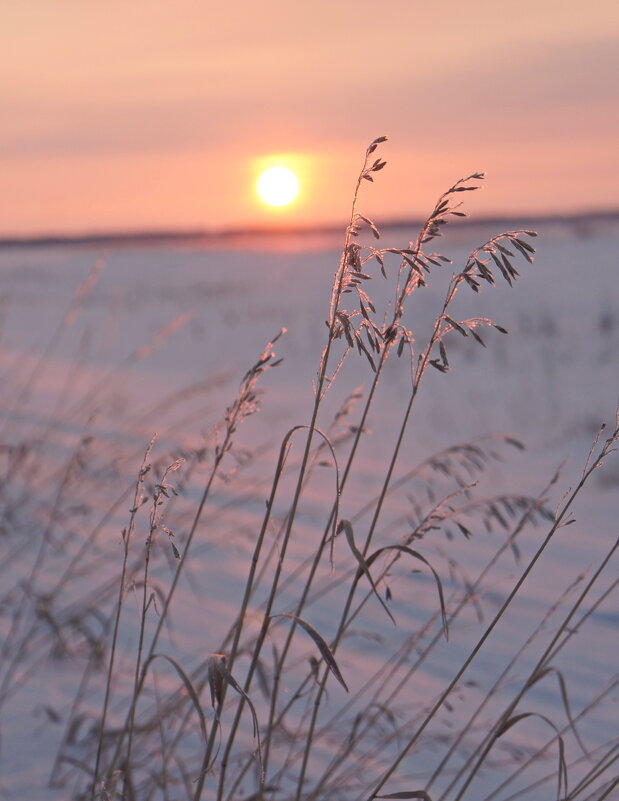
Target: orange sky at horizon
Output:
{"points": [[158, 115]]}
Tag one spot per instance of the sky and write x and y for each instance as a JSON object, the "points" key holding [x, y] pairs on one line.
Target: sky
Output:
{"points": [[117, 116]]}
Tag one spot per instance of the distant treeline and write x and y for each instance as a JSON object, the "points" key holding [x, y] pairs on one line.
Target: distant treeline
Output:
{"points": [[239, 237]]}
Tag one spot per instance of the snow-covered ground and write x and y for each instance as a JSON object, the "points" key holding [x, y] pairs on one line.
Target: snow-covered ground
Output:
{"points": [[158, 344]]}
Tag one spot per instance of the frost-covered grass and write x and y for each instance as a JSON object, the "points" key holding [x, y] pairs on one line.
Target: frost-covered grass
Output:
{"points": [[357, 592]]}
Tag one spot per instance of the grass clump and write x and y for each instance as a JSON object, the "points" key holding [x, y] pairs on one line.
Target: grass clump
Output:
{"points": [[323, 682]]}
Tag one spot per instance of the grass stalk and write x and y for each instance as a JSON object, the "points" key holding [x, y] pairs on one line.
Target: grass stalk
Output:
{"points": [[425, 652], [127, 536], [560, 520], [573, 630], [442, 208], [336, 294], [534, 675]]}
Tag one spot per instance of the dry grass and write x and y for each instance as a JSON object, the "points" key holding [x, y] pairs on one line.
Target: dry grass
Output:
{"points": [[324, 683]]}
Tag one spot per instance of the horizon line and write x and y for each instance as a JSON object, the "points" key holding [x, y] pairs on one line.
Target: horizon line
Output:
{"points": [[207, 236]]}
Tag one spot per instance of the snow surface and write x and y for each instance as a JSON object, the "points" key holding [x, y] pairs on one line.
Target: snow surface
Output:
{"points": [[550, 383]]}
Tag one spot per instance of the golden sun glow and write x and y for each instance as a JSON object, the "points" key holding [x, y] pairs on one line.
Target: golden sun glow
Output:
{"points": [[278, 186]]}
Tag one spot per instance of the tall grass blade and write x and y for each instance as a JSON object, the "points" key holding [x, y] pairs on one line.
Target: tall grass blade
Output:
{"points": [[324, 649]]}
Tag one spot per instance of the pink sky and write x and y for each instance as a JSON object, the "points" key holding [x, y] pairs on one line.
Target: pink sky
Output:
{"points": [[158, 114]]}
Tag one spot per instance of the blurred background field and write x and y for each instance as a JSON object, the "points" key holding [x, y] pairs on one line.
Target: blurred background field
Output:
{"points": [[156, 342]]}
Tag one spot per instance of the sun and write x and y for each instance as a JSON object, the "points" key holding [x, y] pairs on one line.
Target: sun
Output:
{"points": [[278, 186]]}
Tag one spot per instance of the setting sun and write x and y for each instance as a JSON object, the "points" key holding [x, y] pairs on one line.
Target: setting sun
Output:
{"points": [[278, 186]]}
